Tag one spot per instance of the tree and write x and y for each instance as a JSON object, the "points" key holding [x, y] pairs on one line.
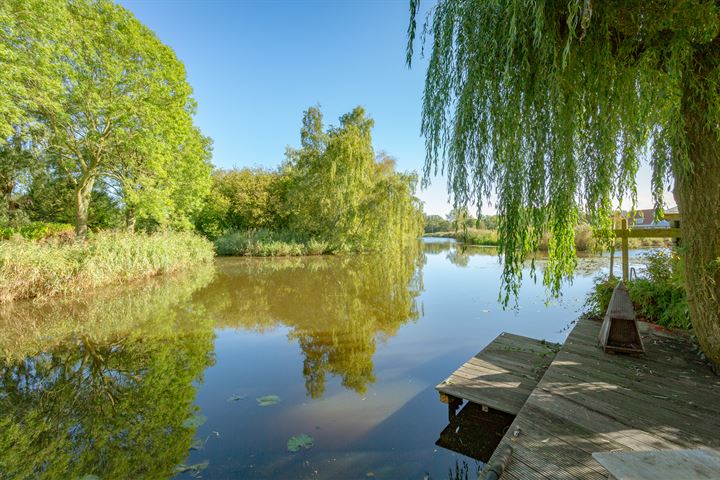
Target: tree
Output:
{"points": [[552, 106], [242, 199], [341, 192], [436, 223], [113, 101]]}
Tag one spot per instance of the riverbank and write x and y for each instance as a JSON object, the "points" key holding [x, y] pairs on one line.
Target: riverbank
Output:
{"points": [[30, 269], [583, 239], [266, 243]]}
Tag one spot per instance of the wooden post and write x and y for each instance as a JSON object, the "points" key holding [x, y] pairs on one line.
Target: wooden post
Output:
{"points": [[625, 254], [612, 259], [676, 224]]}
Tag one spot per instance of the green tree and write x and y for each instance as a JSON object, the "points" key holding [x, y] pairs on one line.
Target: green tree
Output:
{"points": [[436, 223], [552, 105], [340, 191], [243, 199], [114, 104]]}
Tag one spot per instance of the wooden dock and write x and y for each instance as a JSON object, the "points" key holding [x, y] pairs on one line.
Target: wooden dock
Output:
{"points": [[589, 401], [502, 376]]}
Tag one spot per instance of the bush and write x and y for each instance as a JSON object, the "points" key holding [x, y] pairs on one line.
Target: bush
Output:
{"points": [[658, 296], [265, 243], [43, 230], [38, 269], [7, 232]]}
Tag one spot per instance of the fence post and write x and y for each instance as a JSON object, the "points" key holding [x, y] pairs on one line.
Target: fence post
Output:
{"points": [[612, 259], [625, 254]]}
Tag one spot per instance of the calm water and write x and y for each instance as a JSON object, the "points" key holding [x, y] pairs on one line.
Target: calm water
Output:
{"points": [[162, 379]]}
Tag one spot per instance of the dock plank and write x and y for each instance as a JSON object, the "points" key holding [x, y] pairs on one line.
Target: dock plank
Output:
{"points": [[588, 401], [503, 375]]}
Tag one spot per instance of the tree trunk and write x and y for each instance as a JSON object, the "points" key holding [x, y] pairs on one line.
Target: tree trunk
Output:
{"points": [[697, 191], [83, 192], [130, 220]]}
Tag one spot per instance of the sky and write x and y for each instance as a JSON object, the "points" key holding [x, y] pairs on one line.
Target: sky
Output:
{"points": [[256, 65]]}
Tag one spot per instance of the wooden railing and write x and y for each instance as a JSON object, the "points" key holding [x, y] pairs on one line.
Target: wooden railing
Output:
{"points": [[624, 233]]}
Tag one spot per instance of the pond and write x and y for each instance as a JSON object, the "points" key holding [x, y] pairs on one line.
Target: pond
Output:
{"points": [[319, 367]]}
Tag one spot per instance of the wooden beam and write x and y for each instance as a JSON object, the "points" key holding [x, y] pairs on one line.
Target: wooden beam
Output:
{"points": [[648, 232]]}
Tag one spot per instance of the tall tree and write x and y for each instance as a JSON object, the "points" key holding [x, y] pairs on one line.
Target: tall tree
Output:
{"points": [[551, 106], [120, 108], [341, 192]]}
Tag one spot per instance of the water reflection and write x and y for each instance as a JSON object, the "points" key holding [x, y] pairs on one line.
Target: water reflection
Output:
{"points": [[475, 433], [335, 307], [103, 387], [353, 345]]}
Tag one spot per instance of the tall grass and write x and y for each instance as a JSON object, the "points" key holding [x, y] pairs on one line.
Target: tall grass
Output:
{"points": [[266, 243], [38, 269]]}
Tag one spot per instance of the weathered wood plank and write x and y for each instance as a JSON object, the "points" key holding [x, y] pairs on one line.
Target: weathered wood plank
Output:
{"points": [[588, 401], [503, 374]]}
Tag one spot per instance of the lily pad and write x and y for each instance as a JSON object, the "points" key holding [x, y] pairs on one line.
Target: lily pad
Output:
{"points": [[236, 397], [267, 400], [294, 444], [195, 421]]}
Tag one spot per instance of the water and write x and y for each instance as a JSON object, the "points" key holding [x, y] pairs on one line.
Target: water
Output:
{"points": [[161, 379]]}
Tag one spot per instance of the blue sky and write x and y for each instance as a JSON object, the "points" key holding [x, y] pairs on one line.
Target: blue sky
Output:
{"points": [[256, 65]]}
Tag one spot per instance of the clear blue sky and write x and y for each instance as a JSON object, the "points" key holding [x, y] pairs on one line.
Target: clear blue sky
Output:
{"points": [[256, 65]]}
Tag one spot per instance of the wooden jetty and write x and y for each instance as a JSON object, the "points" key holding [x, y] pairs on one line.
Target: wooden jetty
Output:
{"points": [[589, 401], [501, 376]]}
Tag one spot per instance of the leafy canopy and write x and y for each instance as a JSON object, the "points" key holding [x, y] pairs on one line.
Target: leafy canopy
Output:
{"points": [[552, 105]]}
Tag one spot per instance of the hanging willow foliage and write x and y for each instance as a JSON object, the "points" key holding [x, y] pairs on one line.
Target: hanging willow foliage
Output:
{"points": [[551, 105]]}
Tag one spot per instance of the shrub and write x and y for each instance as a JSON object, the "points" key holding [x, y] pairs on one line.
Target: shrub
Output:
{"points": [[265, 243], [37, 269], [42, 230], [6, 232], [658, 296]]}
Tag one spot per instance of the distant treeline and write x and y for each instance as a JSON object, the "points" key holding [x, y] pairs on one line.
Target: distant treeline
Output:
{"points": [[458, 219]]}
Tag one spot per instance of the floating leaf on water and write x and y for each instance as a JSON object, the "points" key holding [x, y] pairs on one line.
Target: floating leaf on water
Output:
{"points": [[294, 444], [267, 400], [195, 421], [193, 470], [236, 397]]}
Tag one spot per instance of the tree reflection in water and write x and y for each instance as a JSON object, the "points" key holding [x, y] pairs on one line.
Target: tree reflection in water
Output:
{"points": [[107, 388], [336, 307]]}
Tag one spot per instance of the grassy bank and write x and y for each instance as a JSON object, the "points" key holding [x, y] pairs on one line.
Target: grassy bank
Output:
{"points": [[583, 239], [266, 243], [31, 269]]}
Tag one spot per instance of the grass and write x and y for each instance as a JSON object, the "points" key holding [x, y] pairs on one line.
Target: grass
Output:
{"points": [[30, 269], [658, 296], [265, 243]]}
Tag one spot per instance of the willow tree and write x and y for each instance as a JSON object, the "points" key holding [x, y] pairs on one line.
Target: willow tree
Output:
{"points": [[552, 105], [339, 190]]}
